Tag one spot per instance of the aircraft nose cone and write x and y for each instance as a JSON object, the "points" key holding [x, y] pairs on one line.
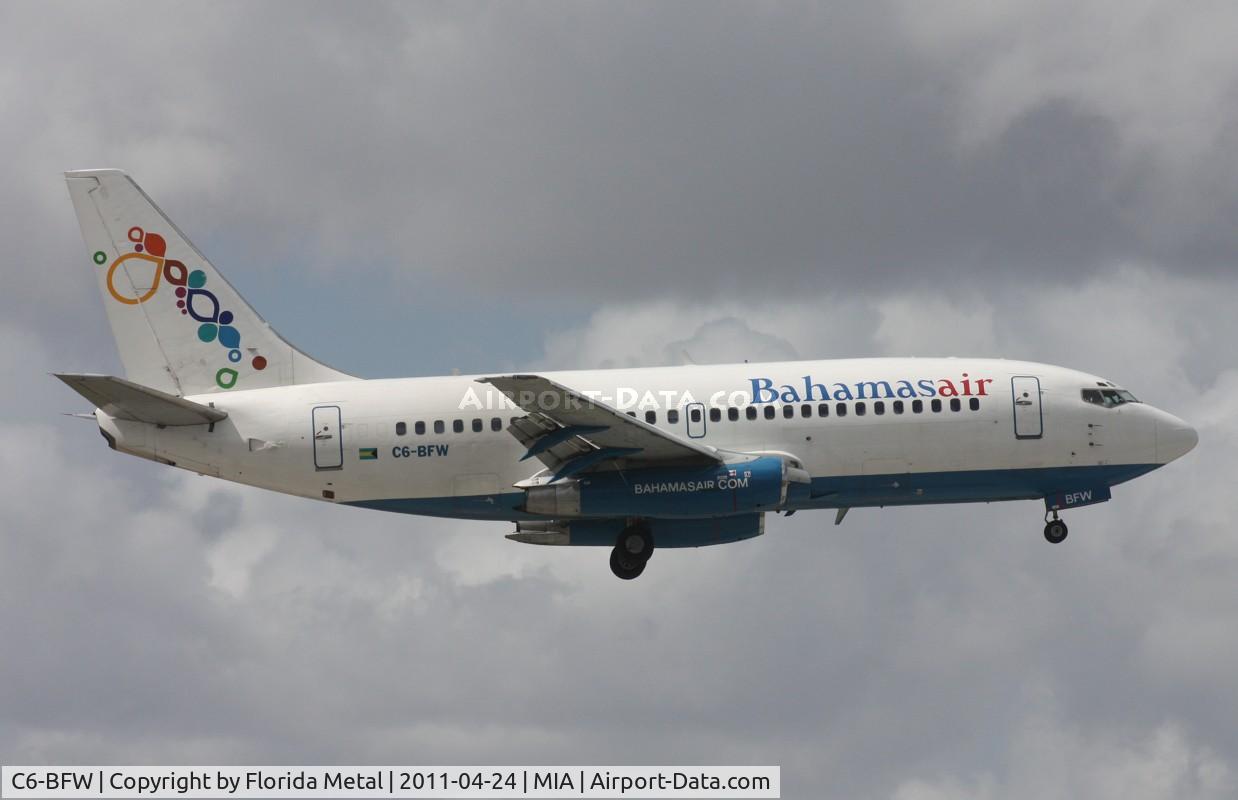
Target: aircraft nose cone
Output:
{"points": [[1174, 438]]}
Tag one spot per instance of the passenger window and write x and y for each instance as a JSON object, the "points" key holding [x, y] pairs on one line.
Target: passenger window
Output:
{"points": [[805, 410], [419, 428], [496, 424], [732, 414], [879, 408], [788, 412], [715, 415], [955, 404], [917, 406], [477, 426], [457, 425], [750, 412], [651, 417], [898, 406], [860, 409], [840, 409], [695, 415], [769, 412], [823, 410], [400, 429], [672, 416], [974, 404], [631, 414], [936, 405], [439, 427]]}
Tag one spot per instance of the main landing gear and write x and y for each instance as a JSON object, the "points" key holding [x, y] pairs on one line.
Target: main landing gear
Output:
{"points": [[632, 552], [1055, 529]]}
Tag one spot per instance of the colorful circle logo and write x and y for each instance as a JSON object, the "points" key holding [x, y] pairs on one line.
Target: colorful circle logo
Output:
{"points": [[147, 266]]}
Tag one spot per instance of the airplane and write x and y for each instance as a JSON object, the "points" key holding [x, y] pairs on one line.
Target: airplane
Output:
{"points": [[631, 459]]}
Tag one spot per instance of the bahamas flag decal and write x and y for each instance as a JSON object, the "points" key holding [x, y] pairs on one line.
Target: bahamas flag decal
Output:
{"points": [[368, 453]]}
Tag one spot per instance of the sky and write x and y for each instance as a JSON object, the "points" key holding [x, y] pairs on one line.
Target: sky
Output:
{"points": [[410, 189]]}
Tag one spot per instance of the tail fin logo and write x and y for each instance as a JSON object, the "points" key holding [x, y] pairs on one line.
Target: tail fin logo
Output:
{"points": [[147, 267]]}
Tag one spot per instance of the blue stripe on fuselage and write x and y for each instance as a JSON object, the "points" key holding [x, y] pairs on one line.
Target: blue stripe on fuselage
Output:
{"points": [[849, 491], [968, 486]]}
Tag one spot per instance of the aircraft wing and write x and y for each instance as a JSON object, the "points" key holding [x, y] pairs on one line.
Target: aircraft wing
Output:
{"points": [[571, 433]]}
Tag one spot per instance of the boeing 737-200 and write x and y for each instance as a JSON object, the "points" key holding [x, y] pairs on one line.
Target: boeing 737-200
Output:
{"points": [[628, 458]]}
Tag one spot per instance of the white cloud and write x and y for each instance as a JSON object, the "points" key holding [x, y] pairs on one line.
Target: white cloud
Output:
{"points": [[931, 324], [1140, 325], [233, 559], [661, 333]]}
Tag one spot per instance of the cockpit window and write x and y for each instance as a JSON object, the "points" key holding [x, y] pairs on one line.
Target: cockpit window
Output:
{"points": [[1109, 398]]}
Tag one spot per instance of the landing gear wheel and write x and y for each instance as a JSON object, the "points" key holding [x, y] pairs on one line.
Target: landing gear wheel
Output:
{"points": [[1055, 531], [635, 542], [625, 566], [632, 551]]}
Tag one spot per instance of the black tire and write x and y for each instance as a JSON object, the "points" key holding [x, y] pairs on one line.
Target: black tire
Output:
{"points": [[636, 541], [1055, 531], [625, 566]]}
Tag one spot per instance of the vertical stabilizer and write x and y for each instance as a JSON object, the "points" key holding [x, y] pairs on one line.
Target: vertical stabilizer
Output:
{"points": [[180, 327]]}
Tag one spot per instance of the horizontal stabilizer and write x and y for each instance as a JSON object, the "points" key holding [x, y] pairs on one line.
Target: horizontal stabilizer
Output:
{"points": [[124, 399]]}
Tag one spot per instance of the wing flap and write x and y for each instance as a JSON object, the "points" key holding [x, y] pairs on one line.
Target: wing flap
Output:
{"points": [[124, 399]]}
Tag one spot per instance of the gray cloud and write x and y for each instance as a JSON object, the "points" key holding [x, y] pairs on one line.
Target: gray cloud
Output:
{"points": [[575, 149]]}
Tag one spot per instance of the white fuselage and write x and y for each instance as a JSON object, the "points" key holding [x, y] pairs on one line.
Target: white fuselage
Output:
{"points": [[890, 434]]}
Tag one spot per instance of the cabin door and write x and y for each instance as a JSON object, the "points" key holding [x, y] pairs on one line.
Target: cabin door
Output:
{"points": [[328, 438], [1029, 421]]}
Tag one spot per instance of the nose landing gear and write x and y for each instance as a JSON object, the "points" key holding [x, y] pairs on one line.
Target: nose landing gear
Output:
{"points": [[1055, 529], [632, 551]]}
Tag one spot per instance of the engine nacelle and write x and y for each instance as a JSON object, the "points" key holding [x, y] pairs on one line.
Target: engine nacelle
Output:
{"points": [[739, 488]]}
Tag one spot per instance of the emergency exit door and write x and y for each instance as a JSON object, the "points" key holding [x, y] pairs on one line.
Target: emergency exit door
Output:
{"points": [[328, 438], [1028, 418], [695, 414]]}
